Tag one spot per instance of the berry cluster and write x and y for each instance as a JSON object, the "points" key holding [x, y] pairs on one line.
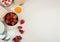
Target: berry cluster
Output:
{"points": [[19, 38], [11, 18]]}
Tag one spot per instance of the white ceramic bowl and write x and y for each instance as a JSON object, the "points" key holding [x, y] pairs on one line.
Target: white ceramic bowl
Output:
{"points": [[7, 3]]}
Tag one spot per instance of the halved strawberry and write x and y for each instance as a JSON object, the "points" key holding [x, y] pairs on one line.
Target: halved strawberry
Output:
{"points": [[21, 31], [6, 3], [8, 0], [3, 0], [11, 14], [17, 39], [14, 19], [11, 20], [20, 27], [7, 17]]}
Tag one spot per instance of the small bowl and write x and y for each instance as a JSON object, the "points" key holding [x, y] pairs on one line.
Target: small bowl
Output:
{"points": [[11, 19], [6, 3], [18, 9]]}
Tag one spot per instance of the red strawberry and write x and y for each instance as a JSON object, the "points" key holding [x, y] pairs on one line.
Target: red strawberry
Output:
{"points": [[19, 27], [7, 22], [11, 20], [7, 17], [17, 39], [14, 19], [22, 22], [8, 0], [21, 31], [6, 3], [3, 0], [11, 14]]}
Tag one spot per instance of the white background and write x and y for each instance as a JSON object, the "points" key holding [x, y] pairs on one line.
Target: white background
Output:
{"points": [[42, 21]]}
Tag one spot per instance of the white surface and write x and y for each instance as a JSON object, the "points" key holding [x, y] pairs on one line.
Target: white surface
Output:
{"points": [[2, 27], [11, 33], [42, 21]]}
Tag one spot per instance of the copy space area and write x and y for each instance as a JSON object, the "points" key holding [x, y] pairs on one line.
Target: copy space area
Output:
{"points": [[42, 21]]}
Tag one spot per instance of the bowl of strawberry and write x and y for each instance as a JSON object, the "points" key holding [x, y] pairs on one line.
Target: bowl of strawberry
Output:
{"points": [[11, 19], [6, 2]]}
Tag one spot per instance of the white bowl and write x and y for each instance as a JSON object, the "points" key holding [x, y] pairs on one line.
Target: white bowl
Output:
{"points": [[9, 3]]}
